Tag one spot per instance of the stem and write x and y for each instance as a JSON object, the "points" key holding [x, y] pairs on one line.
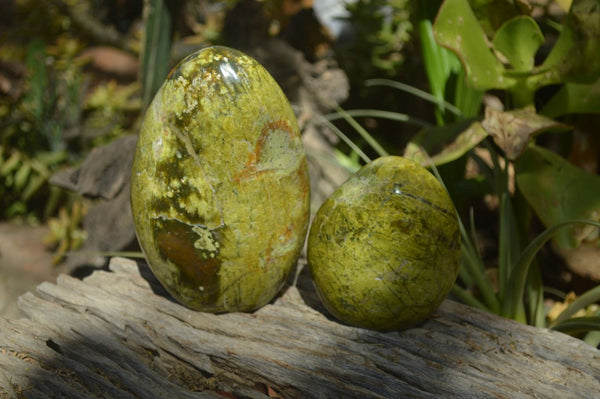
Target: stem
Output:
{"points": [[522, 95]]}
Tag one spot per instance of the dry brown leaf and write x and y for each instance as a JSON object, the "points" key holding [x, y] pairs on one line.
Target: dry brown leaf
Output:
{"points": [[512, 130]]}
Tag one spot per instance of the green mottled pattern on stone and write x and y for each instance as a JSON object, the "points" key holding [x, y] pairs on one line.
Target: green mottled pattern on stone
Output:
{"points": [[384, 249], [220, 190]]}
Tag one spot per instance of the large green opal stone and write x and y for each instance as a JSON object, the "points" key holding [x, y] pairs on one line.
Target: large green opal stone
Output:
{"points": [[384, 249], [220, 189]]}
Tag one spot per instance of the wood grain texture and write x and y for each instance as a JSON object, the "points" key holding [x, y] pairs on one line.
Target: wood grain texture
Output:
{"points": [[117, 334]]}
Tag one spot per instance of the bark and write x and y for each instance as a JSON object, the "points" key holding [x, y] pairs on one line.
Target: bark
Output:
{"points": [[118, 334]]}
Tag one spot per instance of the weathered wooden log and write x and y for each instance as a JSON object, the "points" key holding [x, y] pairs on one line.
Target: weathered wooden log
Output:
{"points": [[118, 334]]}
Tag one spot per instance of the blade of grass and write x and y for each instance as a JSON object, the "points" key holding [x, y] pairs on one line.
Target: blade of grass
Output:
{"points": [[508, 243], [376, 113], [476, 270], [362, 131], [472, 260], [518, 278], [578, 325], [467, 298], [592, 338], [414, 91], [535, 295], [581, 302], [474, 239], [345, 139], [504, 249], [156, 53]]}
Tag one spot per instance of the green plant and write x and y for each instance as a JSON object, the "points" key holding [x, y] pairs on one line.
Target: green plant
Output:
{"points": [[66, 233], [477, 47], [562, 195], [380, 30], [32, 146], [159, 17], [111, 111]]}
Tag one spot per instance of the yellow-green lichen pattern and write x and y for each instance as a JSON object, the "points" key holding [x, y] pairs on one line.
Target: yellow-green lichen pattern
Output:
{"points": [[220, 189], [384, 248]]}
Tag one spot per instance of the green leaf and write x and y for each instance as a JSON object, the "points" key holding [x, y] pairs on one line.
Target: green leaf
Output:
{"points": [[574, 98], [466, 98], [491, 14], [578, 325], [518, 40], [435, 59], [559, 191], [22, 175], [592, 338], [473, 267], [457, 28], [535, 298], [12, 163], [440, 63], [467, 298], [588, 298], [576, 55], [508, 242], [33, 185], [447, 143], [513, 299]]}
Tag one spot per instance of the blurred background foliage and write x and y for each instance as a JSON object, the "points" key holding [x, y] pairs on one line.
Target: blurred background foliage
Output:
{"points": [[477, 89]]}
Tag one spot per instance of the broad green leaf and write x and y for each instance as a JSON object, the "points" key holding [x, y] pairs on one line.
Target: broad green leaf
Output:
{"points": [[433, 141], [466, 98], [574, 98], [437, 65], [457, 28], [441, 64], [491, 14], [513, 130], [518, 40], [576, 55], [558, 191], [435, 59]]}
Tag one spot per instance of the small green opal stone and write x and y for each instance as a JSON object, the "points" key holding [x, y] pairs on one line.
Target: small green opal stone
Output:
{"points": [[220, 189], [384, 248]]}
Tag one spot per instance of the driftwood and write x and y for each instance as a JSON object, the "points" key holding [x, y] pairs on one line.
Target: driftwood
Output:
{"points": [[117, 334]]}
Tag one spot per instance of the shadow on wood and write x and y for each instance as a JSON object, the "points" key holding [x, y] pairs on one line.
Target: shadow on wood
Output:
{"points": [[111, 335]]}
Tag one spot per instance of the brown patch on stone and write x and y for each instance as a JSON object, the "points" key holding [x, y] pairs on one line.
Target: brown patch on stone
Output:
{"points": [[175, 242]]}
